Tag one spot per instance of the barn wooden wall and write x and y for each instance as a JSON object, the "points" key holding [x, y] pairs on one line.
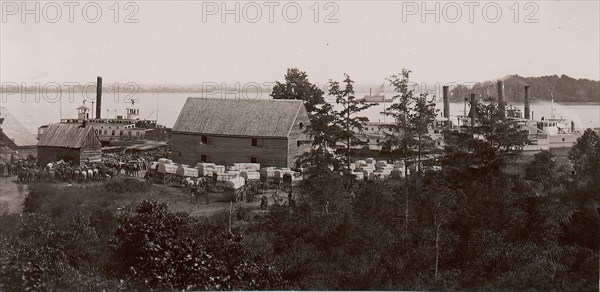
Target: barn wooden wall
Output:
{"points": [[187, 149], [76, 156], [90, 155], [52, 154]]}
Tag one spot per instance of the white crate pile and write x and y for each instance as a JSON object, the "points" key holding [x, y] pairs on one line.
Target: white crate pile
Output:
{"points": [[267, 173], [205, 169], [250, 175], [370, 169]]}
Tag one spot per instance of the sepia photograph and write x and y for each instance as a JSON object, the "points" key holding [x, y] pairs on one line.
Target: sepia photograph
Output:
{"points": [[351, 145]]}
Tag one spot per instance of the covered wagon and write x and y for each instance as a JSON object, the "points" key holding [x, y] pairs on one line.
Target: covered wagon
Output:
{"points": [[152, 169], [205, 169], [185, 175], [291, 179], [186, 171], [166, 173], [254, 185], [267, 175], [220, 181], [165, 160], [235, 189]]}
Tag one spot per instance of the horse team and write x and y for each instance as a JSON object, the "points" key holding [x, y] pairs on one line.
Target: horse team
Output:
{"points": [[27, 171]]}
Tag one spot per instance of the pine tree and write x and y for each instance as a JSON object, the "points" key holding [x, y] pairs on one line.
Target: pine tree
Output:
{"points": [[347, 122]]}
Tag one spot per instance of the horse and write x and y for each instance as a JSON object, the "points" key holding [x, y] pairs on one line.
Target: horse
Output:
{"points": [[11, 169], [76, 175], [132, 169], [43, 174], [51, 175], [83, 175], [240, 195], [200, 190], [22, 175], [188, 184]]}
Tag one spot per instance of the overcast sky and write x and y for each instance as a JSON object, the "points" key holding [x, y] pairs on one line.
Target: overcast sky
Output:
{"points": [[172, 44]]}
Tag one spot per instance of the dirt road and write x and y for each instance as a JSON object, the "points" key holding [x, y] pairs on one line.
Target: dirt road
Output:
{"points": [[11, 195]]}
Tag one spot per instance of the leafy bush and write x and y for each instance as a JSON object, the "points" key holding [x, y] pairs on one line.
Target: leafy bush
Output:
{"points": [[45, 256], [152, 249]]}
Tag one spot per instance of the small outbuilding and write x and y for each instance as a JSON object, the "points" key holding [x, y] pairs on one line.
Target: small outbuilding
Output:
{"points": [[77, 144]]}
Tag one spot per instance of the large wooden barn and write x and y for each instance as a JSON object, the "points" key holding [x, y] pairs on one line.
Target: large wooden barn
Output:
{"points": [[227, 131], [73, 143]]}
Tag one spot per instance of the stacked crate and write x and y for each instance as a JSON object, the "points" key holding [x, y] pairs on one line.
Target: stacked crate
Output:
{"points": [[384, 168], [219, 169], [250, 175], [247, 166], [358, 175], [267, 174], [205, 169]]}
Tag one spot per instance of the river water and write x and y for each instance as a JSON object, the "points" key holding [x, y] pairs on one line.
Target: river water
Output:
{"points": [[34, 110]]}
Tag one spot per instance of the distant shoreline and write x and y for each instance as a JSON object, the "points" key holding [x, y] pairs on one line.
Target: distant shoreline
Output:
{"points": [[266, 92]]}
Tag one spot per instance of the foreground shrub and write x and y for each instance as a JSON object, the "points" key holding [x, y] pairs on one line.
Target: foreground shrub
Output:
{"points": [[152, 249], [44, 256]]}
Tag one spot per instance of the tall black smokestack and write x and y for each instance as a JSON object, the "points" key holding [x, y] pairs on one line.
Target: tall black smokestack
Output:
{"points": [[527, 109], [501, 97], [473, 109], [99, 98], [446, 104]]}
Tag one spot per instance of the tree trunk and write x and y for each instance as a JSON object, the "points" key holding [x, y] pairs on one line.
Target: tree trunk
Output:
{"points": [[419, 156], [405, 176], [406, 195], [347, 132], [437, 250]]}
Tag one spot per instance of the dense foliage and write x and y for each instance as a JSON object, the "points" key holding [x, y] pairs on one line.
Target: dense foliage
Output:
{"points": [[297, 86], [560, 88]]}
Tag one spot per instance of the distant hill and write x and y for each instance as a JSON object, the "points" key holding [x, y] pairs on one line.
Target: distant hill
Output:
{"points": [[563, 88], [12, 133]]}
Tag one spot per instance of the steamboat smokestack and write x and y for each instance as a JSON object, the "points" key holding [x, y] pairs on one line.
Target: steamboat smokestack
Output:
{"points": [[99, 98], [473, 109], [500, 86], [446, 99], [527, 109]]}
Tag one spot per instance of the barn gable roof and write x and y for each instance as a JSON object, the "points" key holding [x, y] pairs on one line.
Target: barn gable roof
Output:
{"points": [[234, 117], [15, 131], [65, 135]]}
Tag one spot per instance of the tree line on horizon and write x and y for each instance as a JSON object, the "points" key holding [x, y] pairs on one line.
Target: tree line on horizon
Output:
{"points": [[544, 88]]}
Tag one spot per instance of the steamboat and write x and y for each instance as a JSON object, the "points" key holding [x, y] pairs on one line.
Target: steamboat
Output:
{"points": [[126, 129]]}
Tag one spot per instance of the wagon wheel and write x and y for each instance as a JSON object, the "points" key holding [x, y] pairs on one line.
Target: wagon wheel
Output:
{"points": [[172, 180], [167, 180], [214, 187], [219, 187]]}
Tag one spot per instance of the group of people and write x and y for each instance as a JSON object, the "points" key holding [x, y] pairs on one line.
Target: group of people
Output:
{"points": [[277, 200], [198, 189]]}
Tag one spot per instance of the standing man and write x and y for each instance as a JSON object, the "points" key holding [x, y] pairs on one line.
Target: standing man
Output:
{"points": [[291, 202]]}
